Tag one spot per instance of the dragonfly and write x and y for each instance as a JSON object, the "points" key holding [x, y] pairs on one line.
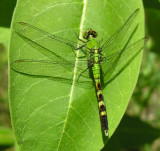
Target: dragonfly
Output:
{"points": [[89, 59]]}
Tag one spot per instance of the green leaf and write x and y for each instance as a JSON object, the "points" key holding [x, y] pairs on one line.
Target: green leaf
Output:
{"points": [[6, 138], [152, 21], [132, 133], [51, 115], [6, 11], [152, 4], [110, 146]]}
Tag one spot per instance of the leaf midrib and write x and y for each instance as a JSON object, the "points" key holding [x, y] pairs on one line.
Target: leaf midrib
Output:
{"points": [[75, 71]]}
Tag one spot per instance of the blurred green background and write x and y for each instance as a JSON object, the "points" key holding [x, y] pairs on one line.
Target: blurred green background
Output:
{"points": [[139, 129]]}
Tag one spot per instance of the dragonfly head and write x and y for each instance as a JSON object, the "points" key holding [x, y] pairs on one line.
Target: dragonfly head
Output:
{"points": [[90, 34]]}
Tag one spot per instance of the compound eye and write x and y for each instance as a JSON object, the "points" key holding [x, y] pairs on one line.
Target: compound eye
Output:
{"points": [[95, 34], [88, 33], [85, 35]]}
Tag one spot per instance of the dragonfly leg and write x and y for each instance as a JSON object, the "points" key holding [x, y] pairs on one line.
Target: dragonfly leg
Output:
{"points": [[82, 73], [81, 47], [81, 57], [81, 40]]}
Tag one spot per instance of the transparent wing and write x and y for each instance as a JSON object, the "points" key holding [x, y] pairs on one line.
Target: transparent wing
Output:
{"points": [[45, 39], [114, 64], [43, 68], [112, 45], [60, 67], [59, 70], [47, 52]]}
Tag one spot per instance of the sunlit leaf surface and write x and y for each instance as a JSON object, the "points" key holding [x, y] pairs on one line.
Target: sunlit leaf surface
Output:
{"points": [[52, 114]]}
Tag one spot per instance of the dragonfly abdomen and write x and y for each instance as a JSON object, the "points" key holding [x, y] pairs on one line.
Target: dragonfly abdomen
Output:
{"points": [[100, 98]]}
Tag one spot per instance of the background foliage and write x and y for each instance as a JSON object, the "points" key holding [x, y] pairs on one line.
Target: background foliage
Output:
{"points": [[140, 128]]}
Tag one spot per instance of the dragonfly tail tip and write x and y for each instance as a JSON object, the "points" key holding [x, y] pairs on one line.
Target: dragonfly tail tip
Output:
{"points": [[106, 132]]}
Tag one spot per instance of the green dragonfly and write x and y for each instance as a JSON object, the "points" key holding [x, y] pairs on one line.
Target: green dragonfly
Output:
{"points": [[86, 61]]}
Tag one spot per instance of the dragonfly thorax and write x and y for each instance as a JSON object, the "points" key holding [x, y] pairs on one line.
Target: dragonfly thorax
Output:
{"points": [[95, 56], [92, 44]]}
